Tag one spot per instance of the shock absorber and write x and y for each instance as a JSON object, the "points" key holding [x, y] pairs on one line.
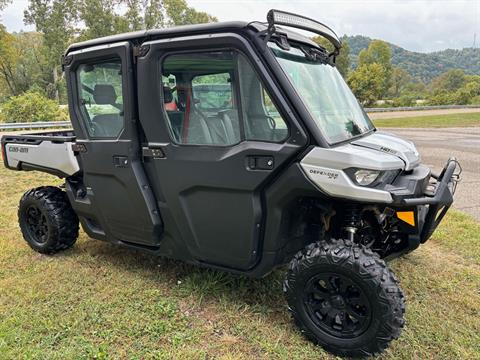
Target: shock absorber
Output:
{"points": [[351, 221]]}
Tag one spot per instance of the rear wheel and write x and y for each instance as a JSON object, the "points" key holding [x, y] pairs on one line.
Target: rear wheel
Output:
{"points": [[344, 298], [47, 220]]}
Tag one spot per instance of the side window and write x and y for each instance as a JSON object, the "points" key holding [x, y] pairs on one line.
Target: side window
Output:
{"points": [[101, 98], [213, 92], [262, 119], [216, 94], [274, 115]]}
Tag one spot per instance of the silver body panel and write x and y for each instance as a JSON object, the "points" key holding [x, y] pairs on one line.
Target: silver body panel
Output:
{"points": [[378, 151], [58, 156], [391, 144]]}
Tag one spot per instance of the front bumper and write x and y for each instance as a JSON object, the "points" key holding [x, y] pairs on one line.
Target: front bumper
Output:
{"points": [[430, 207]]}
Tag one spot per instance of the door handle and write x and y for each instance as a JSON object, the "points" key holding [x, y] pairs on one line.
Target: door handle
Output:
{"points": [[260, 162]]}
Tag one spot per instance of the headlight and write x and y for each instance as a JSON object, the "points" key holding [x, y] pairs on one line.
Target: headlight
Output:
{"points": [[366, 177]]}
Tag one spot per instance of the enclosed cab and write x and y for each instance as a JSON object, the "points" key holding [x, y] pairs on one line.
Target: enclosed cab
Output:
{"points": [[238, 147]]}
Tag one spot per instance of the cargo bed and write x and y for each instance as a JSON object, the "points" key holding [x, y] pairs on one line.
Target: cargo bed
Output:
{"points": [[50, 152]]}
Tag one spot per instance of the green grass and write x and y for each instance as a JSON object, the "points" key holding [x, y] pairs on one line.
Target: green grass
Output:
{"points": [[100, 301], [431, 121]]}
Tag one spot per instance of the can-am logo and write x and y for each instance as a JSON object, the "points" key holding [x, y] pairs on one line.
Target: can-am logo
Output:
{"points": [[329, 174], [17, 149]]}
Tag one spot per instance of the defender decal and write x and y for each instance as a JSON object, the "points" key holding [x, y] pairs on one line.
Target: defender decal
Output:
{"points": [[330, 175]]}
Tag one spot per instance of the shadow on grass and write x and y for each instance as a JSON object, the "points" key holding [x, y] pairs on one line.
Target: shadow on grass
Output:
{"points": [[186, 280]]}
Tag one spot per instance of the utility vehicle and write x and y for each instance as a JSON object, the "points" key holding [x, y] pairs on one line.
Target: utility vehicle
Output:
{"points": [[238, 146]]}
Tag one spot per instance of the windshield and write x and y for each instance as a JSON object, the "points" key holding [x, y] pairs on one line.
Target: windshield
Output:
{"points": [[327, 97]]}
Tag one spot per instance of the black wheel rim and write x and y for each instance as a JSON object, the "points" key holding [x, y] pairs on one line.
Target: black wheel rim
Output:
{"points": [[36, 224], [337, 305]]}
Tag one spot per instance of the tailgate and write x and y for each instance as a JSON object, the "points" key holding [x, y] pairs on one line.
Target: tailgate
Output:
{"points": [[48, 152]]}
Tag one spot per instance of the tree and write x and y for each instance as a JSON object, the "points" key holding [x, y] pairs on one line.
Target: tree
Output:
{"points": [[63, 21], [99, 19], [442, 98], [8, 61], [400, 80], [56, 20], [342, 61], [378, 52], [452, 80], [151, 14], [4, 4], [367, 83], [179, 13], [33, 69], [31, 106], [22, 64], [465, 94]]}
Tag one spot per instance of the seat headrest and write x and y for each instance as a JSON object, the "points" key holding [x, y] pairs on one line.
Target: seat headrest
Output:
{"points": [[167, 95], [104, 94]]}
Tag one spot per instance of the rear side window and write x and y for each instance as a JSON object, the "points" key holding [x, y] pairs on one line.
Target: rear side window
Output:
{"points": [[219, 100], [101, 98]]}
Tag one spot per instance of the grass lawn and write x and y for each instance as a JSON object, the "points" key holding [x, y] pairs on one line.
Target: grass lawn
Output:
{"points": [[431, 121], [100, 301]]}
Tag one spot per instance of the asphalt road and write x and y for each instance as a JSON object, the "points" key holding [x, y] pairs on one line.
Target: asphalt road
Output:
{"points": [[403, 114], [437, 145]]}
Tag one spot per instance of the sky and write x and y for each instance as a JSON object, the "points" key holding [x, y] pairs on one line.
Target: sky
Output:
{"points": [[416, 25]]}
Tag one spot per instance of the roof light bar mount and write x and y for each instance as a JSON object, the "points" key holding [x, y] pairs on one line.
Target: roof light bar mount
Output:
{"points": [[278, 17]]}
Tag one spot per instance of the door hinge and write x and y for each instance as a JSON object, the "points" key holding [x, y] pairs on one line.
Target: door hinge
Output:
{"points": [[66, 60], [154, 152], [79, 148], [140, 51]]}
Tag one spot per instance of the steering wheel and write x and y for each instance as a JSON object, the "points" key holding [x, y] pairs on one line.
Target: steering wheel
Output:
{"points": [[273, 126]]}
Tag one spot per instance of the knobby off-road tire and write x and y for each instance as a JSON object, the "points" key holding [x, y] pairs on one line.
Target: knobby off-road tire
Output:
{"points": [[47, 220], [344, 298]]}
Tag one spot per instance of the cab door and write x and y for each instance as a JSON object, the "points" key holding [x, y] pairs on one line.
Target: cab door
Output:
{"points": [[116, 203], [221, 136]]}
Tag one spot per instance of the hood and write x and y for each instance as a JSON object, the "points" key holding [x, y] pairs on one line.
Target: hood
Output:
{"points": [[393, 145]]}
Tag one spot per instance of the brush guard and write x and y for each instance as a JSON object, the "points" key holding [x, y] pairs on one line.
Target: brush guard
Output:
{"points": [[438, 198]]}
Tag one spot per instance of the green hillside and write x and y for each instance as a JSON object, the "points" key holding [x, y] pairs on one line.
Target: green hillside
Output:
{"points": [[424, 66]]}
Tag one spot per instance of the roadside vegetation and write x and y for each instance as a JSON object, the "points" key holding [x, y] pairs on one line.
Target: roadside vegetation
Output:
{"points": [[30, 61], [375, 78], [423, 66], [431, 121], [100, 301], [31, 106]]}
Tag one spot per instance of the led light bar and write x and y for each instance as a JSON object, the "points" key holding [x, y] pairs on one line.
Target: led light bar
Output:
{"points": [[278, 17]]}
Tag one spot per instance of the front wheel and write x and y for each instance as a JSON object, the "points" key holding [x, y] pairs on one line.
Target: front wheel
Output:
{"points": [[343, 297], [47, 220]]}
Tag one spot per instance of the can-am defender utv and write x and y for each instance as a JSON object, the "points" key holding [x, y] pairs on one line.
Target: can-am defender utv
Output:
{"points": [[238, 147]]}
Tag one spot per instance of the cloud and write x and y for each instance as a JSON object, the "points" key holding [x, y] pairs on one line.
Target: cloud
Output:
{"points": [[417, 25], [12, 16]]}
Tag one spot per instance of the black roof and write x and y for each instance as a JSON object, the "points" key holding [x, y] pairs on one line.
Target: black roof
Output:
{"points": [[146, 35], [141, 36]]}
